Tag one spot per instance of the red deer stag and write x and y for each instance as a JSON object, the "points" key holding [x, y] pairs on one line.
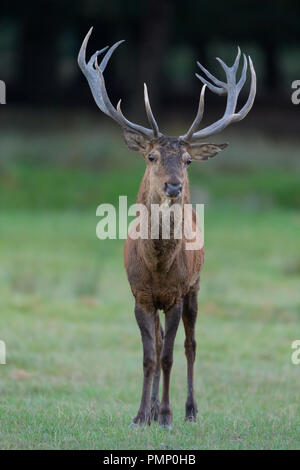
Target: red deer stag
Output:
{"points": [[163, 275]]}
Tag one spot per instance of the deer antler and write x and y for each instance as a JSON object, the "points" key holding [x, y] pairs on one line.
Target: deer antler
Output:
{"points": [[94, 75], [232, 90]]}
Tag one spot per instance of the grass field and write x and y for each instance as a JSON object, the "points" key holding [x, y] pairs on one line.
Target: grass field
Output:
{"points": [[74, 360]]}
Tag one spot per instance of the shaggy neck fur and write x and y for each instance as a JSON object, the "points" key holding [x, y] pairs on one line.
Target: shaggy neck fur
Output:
{"points": [[160, 253]]}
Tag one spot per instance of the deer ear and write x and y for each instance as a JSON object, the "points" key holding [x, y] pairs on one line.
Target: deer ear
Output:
{"points": [[136, 141], [204, 151]]}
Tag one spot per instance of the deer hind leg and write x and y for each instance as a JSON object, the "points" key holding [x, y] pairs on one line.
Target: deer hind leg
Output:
{"points": [[159, 337], [146, 321], [189, 316], [173, 316]]}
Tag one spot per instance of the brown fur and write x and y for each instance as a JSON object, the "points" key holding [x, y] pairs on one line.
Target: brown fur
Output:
{"points": [[163, 275]]}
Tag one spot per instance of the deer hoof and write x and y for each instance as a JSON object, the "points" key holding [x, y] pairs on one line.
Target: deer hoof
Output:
{"points": [[165, 419], [141, 419], [166, 426], [191, 412]]}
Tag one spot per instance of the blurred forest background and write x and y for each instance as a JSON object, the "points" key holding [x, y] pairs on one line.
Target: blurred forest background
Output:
{"points": [[51, 118], [39, 42], [74, 354]]}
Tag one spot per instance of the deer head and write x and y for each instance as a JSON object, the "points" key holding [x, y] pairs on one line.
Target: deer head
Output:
{"points": [[168, 157]]}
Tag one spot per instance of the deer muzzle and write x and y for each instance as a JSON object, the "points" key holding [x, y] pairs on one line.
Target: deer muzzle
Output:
{"points": [[173, 190]]}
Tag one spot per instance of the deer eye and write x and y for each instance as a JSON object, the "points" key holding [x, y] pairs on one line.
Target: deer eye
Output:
{"points": [[151, 157]]}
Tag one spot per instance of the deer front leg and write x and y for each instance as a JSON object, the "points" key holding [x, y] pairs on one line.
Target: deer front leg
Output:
{"points": [[189, 317], [171, 325], [145, 318], [159, 335]]}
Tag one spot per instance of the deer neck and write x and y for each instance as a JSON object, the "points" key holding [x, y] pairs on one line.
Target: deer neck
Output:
{"points": [[159, 254]]}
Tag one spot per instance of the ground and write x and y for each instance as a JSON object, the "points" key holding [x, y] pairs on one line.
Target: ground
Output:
{"points": [[74, 359]]}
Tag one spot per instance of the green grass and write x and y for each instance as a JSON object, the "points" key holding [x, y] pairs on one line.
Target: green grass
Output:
{"points": [[73, 376], [74, 361]]}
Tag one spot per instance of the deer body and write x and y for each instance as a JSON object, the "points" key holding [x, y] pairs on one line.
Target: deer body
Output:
{"points": [[162, 272], [163, 275]]}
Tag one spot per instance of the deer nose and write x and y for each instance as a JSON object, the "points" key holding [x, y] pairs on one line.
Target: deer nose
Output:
{"points": [[173, 190]]}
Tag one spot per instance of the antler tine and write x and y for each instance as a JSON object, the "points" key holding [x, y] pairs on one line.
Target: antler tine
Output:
{"points": [[215, 89], [124, 122], [198, 117], [210, 75], [150, 115], [235, 64], [108, 55], [82, 51], [232, 90], [243, 77], [237, 61], [249, 103], [107, 107], [94, 75]]}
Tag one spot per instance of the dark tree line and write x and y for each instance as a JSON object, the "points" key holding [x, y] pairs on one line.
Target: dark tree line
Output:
{"points": [[47, 34]]}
